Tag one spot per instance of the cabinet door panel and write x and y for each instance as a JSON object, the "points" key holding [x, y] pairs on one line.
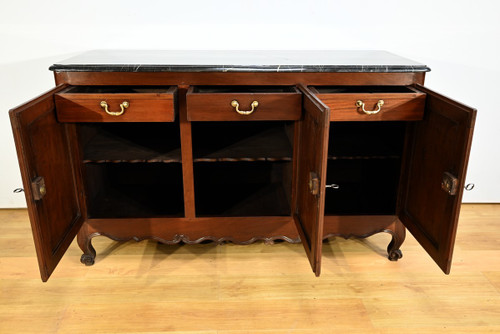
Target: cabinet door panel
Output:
{"points": [[434, 174], [49, 178], [311, 175]]}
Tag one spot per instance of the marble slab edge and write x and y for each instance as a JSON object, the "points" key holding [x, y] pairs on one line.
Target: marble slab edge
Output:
{"points": [[242, 68]]}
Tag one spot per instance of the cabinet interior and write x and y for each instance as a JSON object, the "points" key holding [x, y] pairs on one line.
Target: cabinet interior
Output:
{"points": [[242, 188], [244, 89], [130, 142], [242, 168], [362, 89], [132, 169], [364, 161], [128, 190], [115, 89], [242, 141]]}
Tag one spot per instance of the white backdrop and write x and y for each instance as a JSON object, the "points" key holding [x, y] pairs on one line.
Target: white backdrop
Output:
{"points": [[459, 40]]}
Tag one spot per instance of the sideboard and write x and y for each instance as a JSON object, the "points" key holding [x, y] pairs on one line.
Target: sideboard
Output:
{"points": [[241, 146]]}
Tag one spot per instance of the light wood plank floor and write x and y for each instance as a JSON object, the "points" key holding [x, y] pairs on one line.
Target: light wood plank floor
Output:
{"points": [[146, 287]]}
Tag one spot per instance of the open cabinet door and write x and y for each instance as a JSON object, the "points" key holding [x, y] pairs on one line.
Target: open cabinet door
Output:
{"points": [[434, 174], [49, 178], [311, 175]]}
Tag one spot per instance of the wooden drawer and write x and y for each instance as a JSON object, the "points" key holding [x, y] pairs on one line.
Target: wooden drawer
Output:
{"points": [[215, 103], [88, 104], [400, 103]]}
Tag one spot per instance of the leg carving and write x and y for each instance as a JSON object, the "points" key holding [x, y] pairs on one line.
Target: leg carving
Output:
{"points": [[84, 239], [398, 236]]}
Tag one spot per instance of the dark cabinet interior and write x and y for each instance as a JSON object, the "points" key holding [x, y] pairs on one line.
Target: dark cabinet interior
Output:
{"points": [[243, 89], [362, 89], [242, 168], [363, 168], [259, 188], [130, 142], [128, 190], [132, 169], [242, 141]]}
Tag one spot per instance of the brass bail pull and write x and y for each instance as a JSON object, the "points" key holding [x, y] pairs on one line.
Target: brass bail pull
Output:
{"points": [[236, 105], [361, 104], [124, 105]]}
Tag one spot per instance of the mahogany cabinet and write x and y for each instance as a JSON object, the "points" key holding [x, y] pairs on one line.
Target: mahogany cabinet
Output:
{"points": [[241, 146]]}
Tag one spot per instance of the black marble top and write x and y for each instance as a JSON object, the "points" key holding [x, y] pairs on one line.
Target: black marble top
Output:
{"points": [[238, 61]]}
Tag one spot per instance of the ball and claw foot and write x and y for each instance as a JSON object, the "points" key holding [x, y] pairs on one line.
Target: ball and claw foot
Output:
{"points": [[87, 260], [395, 255]]}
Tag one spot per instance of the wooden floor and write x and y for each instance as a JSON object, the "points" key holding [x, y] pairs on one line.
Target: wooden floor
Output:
{"points": [[146, 287]]}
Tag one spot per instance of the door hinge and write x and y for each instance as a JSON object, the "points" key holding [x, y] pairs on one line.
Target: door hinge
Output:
{"points": [[313, 183], [38, 188], [449, 183]]}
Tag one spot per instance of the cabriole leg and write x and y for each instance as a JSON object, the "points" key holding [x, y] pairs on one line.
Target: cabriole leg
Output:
{"points": [[84, 239], [398, 233]]}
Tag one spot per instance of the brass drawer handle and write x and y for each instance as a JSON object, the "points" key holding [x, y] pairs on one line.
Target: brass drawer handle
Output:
{"points": [[124, 105], [361, 104], [236, 105]]}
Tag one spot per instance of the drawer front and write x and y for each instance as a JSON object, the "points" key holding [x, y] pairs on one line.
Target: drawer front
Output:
{"points": [[375, 106], [116, 104], [243, 104]]}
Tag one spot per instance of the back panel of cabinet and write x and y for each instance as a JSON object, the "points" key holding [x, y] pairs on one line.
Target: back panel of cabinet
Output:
{"points": [[363, 169], [132, 170], [243, 168]]}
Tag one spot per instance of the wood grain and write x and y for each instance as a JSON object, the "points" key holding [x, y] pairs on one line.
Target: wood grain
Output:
{"points": [[215, 106], [146, 287], [144, 107], [265, 141], [397, 106], [310, 156], [130, 142], [429, 212], [240, 230], [41, 144], [186, 153], [232, 78], [311, 164]]}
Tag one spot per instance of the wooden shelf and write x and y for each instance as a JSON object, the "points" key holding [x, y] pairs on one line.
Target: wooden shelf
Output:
{"points": [[363, 157], [270, 144], [115, 147]]}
